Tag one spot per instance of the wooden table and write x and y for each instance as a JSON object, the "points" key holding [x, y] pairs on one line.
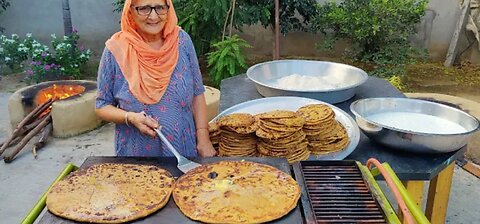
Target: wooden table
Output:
{"points": [[412, 169]]}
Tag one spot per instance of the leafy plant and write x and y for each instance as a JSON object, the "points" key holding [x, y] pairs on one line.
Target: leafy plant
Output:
{"points": [[3, 6], [227, 59], [118, 4], [378, 30], [69, 55], [12, 52], [203, 20], [63, 62]]}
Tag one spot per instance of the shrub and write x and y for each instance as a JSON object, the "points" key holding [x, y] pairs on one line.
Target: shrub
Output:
{"points": [[63, 62], [378, 30], [12, 52]]}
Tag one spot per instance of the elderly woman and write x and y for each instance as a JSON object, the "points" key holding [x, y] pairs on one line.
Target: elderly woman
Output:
{"points": [[149, 76]]}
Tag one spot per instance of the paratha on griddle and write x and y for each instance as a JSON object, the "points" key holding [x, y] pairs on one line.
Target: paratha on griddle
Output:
{"points": [[235, 192], [111, 193]]}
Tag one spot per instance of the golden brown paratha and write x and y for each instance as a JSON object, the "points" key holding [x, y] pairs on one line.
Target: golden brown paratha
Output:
{"points": [[235, 192], [236, 120], [111, 193]]}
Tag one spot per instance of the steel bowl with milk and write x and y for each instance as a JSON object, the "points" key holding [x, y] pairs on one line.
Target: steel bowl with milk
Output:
{"points": [[414, 125]]}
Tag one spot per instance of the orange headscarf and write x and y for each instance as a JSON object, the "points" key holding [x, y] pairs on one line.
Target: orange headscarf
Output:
{"points": [[146, 70]]}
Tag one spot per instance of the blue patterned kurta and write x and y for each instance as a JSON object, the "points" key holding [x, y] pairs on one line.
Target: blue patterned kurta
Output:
{"points": [[174, 111]]}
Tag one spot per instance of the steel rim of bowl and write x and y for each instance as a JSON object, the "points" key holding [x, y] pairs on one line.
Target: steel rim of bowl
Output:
{"points": [[364, 76], [352, 108]]}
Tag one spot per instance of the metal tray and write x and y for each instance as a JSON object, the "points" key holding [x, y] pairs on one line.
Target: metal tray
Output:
{"points": [[293, 103], [342, 79]]}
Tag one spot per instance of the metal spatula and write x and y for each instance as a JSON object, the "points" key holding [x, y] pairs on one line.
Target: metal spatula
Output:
{"points": [[184, 164]]}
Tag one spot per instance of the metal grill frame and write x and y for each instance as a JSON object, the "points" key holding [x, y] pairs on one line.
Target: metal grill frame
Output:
{"points": [[308, 211]]}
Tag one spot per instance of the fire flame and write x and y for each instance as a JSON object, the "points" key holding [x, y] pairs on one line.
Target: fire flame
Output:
{"points": [[57, 92]]}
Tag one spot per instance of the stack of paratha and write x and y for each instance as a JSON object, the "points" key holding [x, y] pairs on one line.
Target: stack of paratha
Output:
{"points": [[214, 133], [281, 135], [323, 132], [236, 192], [237, 135], [111, 193]]}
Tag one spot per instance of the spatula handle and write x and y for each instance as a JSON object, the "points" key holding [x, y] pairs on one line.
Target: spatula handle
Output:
{"points": [[166, 142]]}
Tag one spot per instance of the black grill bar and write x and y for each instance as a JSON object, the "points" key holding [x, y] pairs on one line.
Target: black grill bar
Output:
{"points": [[338, 193]]}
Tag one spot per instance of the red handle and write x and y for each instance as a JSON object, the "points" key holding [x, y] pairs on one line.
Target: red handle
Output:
{"points": [[406, 213]]}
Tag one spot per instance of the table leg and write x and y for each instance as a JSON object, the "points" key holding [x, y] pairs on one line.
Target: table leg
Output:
{"points": [[415, 190], [438, 193]]}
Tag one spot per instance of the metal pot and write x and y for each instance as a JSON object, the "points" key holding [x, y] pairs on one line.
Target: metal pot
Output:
{"points": [[342, 79], [414, 125]]}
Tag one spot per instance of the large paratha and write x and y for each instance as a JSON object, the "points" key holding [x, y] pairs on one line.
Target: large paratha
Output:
{"points": [[235, 192], [111, 193]]}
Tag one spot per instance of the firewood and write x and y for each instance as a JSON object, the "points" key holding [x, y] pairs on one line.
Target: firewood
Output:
{"points": [[20, 134], [43, 139], [44, 107], [13, 142], [30, 126], [46, 120], [18, 130], [35, 112]]}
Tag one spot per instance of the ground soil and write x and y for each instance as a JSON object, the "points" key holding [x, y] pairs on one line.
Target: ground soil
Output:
{"points": [[462, 80]]}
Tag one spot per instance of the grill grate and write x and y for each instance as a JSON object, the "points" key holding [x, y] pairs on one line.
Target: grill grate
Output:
{"points": [[338, 194]]}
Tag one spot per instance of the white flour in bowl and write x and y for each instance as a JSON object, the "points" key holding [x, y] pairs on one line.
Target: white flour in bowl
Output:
{"points": [[305, 82], [417, 122]]}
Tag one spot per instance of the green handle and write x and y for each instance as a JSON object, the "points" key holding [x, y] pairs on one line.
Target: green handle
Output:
{"points": [[412, 206], [37, 209], [390, 215]]}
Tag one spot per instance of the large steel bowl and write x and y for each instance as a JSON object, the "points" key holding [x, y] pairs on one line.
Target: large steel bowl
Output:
{"points": [[341, 79], [414, 125]]}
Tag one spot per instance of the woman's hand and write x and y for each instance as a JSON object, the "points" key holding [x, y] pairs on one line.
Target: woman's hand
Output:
{"points": [[143, 123], [204, 145]]}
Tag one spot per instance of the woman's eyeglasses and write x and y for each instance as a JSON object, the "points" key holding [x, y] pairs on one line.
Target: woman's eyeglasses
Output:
{"points": [[146, 10]]}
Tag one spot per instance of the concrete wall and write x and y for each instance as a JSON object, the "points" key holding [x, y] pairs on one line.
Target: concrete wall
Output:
{"points": [[95, 22]]}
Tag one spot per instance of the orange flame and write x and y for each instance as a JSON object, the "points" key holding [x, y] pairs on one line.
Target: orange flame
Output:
{"points": [[57, 92]]}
